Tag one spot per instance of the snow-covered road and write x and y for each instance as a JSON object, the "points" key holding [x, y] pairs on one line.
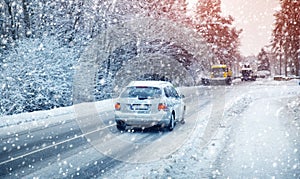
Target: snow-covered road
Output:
{"points": [[260, 146], [65, 142], [245, 130], [258, 137], [261, 140]]}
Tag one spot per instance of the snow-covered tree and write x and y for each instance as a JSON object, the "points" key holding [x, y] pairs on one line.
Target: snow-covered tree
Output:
{"points": [[286, 36], [218, 31], [13, 21], [67, 20], [37, 75], [263, 60], [36, 69], [172, 9]]}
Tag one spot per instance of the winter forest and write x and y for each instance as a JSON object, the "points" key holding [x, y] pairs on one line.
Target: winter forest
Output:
{"points": [[41, 42]]}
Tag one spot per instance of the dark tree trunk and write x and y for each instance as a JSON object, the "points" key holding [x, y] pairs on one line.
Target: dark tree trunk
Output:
{"points": [[26, 18]]}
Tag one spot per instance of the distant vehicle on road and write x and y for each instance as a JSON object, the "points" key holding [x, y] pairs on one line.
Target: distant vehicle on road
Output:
{"points": [[220, 75], [263, 74], [248, 74], [146, 104]]}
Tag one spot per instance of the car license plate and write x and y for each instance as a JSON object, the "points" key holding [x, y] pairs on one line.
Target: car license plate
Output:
{"points": [[137, 107]]}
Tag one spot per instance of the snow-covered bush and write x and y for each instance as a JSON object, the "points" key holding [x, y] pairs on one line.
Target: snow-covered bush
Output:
{"points": [[37, 75]]}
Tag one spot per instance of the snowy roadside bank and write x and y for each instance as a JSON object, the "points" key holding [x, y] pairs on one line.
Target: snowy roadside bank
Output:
{"points": [[263, 140], [293, 108], [42, 119], [290, 115]]}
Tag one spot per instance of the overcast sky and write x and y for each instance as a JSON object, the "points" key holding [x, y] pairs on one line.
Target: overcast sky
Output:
{"points": [[256, 19]]}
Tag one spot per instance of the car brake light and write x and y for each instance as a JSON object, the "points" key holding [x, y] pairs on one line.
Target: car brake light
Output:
{"points": [[117, 106], [162, 106]]}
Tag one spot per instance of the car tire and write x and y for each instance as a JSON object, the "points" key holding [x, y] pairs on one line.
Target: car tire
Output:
{"points": [[121, 126], [172, 123], [228, 81]]}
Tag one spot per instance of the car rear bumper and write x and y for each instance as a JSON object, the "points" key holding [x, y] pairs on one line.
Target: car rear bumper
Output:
{"points": [[143, 120]]}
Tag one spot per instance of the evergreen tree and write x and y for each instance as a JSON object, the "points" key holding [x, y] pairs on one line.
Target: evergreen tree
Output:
{"points": [[218, 31], [286, 36], [263, 61]]}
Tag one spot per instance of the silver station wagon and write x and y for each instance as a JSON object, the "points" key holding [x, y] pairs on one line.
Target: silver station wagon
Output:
{"points": [[145, 104]]}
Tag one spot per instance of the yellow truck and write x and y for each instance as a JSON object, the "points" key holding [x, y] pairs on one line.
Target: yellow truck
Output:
{"points": [[220, 75]]}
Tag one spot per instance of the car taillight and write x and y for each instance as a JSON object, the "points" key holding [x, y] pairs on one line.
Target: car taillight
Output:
{"points": [[162, 106], [117, 106]]}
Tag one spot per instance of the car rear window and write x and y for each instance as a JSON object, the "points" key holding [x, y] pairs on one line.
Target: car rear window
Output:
{"points": [[143, 92]]}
